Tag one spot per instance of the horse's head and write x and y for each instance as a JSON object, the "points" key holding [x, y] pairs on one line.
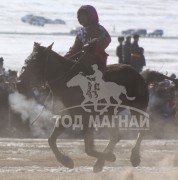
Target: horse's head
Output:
{"points": [[44, 65], [33, 72]]}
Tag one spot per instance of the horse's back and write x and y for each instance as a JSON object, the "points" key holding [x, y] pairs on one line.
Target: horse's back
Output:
{"points": [[128, 77]]}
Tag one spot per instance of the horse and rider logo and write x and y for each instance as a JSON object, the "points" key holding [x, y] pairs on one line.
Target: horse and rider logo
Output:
{"points": [[94, 89]]}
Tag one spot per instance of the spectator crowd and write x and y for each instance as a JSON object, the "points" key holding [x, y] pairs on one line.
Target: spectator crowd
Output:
{"points": [[130, 52]]}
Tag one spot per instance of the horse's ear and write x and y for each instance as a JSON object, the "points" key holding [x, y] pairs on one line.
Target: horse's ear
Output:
{"points": [[36, 45], [50, 46]]}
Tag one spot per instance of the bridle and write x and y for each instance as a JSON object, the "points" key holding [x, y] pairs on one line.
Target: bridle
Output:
{"points": [[52, 81]]}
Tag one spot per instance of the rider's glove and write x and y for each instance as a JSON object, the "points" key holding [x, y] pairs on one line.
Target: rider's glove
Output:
{"points": [[90, 45]]}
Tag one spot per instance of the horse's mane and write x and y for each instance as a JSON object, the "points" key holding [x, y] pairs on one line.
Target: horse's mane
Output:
{"points": [[45, 63], [39, 50]]}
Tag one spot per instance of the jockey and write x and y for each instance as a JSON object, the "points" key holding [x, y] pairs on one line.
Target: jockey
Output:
{"points": [[96, 79], [92, 36]]}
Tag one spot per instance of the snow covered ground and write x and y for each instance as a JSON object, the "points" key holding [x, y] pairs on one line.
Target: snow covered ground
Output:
{"points": [[33, 159], [161, 54]]}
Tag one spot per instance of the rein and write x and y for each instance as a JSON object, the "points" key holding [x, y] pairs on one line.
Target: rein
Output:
{"points": [[50, 92], [52, 81], [67, 72]]}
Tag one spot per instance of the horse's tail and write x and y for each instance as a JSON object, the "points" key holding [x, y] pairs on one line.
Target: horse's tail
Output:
{"points": [[129, 98]]}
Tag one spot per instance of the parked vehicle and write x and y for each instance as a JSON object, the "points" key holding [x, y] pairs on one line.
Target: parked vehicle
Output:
{"points": [[141, 32], [157, 32], [128, 32], [39, 20], [131, 32]]}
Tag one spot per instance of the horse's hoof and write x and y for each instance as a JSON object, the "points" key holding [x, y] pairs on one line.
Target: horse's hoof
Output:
{"points": [[98, 166], [135, 158], [67, 162], [110, 157]]}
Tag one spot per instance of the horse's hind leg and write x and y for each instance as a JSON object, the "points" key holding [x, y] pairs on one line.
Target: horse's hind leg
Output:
{"points": [[135, 154], [65, 160]]}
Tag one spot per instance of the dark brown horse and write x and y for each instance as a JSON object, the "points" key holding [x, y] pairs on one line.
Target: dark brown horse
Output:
{"points": [[155, 76], [45, 65]]}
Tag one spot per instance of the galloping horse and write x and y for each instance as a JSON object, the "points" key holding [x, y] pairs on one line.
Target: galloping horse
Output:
{"points": [[45, 65]]}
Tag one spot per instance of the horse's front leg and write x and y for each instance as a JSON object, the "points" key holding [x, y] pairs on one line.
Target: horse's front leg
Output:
{"points": [[90, 150], [108, 151], [135, 154], [114, 139], [63, 159]]}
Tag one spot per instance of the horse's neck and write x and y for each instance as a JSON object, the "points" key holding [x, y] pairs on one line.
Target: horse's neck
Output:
{"points": [[57, 67], [61, 70]]}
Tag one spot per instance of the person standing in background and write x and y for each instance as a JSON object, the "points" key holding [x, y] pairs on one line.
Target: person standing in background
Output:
{"points": [[137, 55], [119, 50], [142, 61], [127, 50], [2, 70]]}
